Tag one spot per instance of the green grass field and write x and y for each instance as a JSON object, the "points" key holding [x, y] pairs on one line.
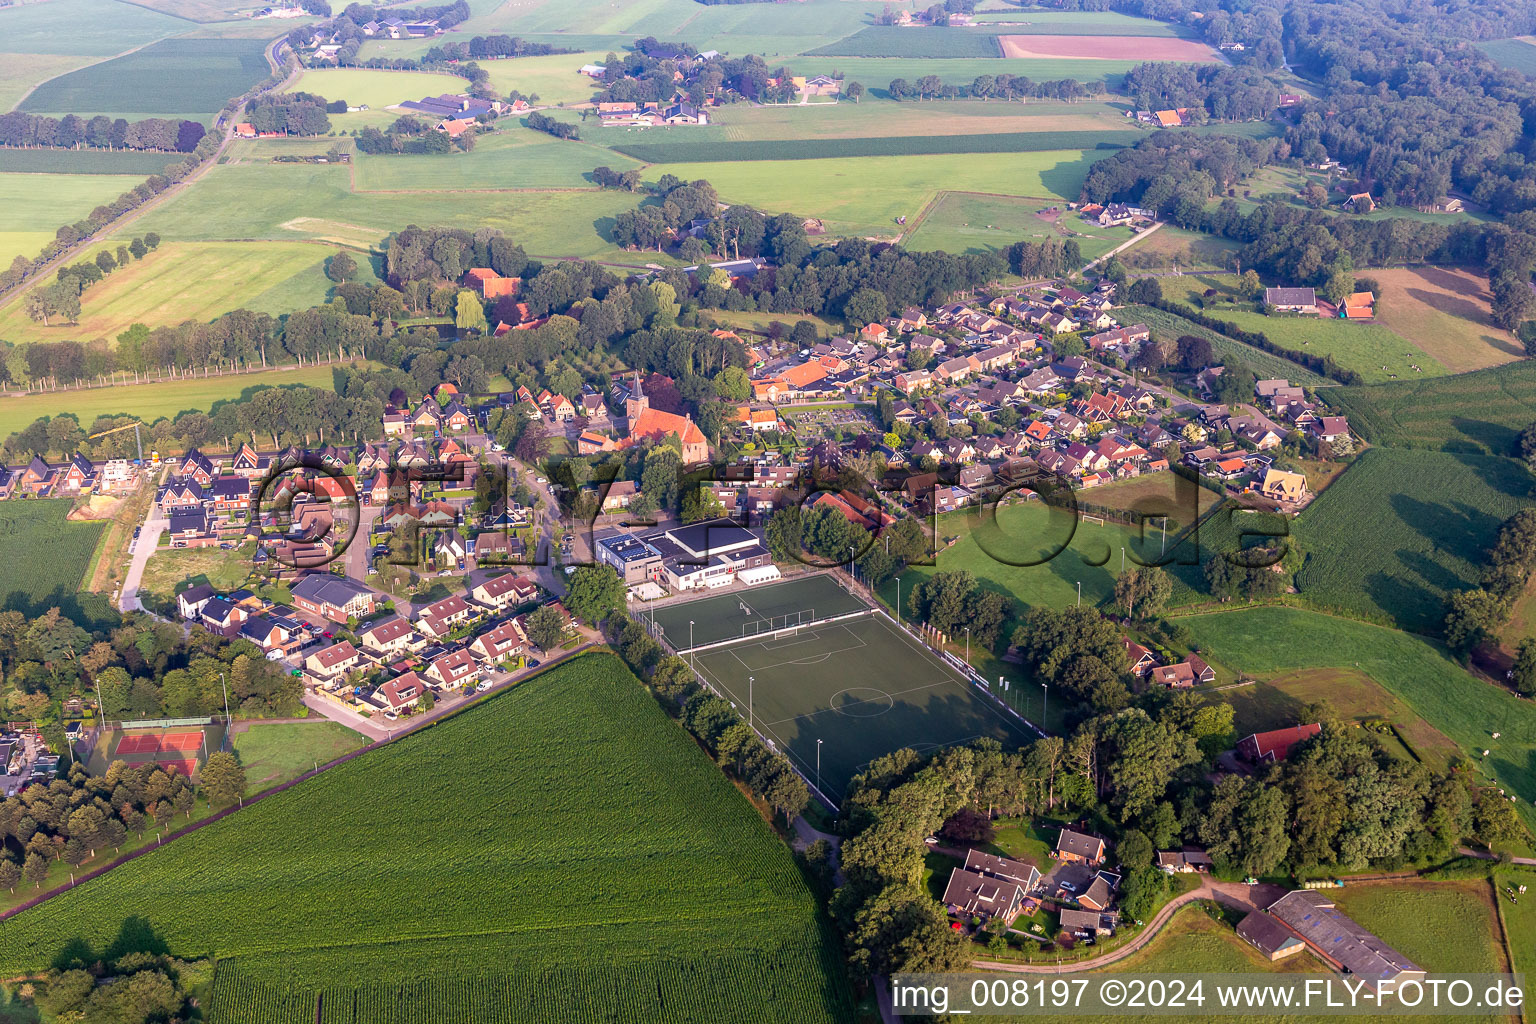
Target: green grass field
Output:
{"points": [[1171, 246], [739, 122], [190, 281], [171, 570], [43, 556], [1400, 531], [513, 157], [1444, 926], [1037, 555], [853, 690], [967, 222], [866, 195], [83, 161], [918, 42], [553, 79], [1519, 918], [149, 402], [601, 848], [376, 88], [32, 206], [98, 28], [173, 75], [1482, 411], [1273, 641], [1518, 53], [1172, 326], [1370, 349], [1277, 703], [272, 753], [19, 72], [288, 202], [877, 72], [700, 147]]}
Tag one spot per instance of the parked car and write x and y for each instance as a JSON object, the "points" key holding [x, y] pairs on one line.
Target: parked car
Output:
{"points": [[136, 531]]}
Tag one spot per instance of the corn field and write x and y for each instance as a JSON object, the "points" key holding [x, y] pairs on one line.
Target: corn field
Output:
{"points": [[562, 852]]}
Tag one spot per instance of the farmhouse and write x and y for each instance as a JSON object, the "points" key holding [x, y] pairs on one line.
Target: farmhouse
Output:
{"points": [[1084, 922], [1360, 202], [1078, 848], [490, 284], [1312, 916], [1291, 300], [989, 886], [1276, 744], [1184, 674], [1177, 862]]}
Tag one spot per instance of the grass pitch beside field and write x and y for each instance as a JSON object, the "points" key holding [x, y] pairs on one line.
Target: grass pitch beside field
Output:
{"points": [[856, 689]]}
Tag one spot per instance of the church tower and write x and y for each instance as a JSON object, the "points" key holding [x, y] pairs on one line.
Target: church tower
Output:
{"points": [[636, 403]]}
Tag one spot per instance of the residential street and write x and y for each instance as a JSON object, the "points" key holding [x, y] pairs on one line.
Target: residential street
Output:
{"points": [[143, 547]]}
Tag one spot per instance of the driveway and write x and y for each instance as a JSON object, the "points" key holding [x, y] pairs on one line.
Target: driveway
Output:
{"points": [[1233, 894], [143, 547]]}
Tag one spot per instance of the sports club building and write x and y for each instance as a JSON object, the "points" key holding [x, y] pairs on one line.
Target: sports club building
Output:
{"points": [[714, 553]]}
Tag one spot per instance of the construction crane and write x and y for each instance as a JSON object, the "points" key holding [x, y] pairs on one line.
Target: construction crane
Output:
{"points": [[137, 439]]}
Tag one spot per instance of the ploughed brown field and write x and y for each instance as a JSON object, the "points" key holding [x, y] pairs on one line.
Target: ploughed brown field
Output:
{"points": [[1108, 48]]}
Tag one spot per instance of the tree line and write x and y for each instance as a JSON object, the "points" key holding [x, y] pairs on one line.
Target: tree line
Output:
{"points": [[712, 720], [99, 132], [1001, 87], [61, 299]]}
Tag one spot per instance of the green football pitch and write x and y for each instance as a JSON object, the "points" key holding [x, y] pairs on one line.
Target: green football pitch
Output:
{"points": [[759, 609], [835, 696]]}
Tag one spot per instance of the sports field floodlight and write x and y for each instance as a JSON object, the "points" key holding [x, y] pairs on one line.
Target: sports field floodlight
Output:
{"points": [[818, 766], [898, 600], [1045, 703], [750, 681], [967, 646], [1079, 593]]}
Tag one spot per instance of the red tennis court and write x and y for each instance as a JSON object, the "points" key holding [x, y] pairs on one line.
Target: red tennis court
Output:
{"points": [[184, 767], [150, 743]]}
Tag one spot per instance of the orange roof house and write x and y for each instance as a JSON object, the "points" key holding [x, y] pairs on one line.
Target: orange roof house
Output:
{"points": [[245, 130], [1360, 306], [805, 374], [455, 126], [490, 284], [1169, 118], [875, 332]]}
